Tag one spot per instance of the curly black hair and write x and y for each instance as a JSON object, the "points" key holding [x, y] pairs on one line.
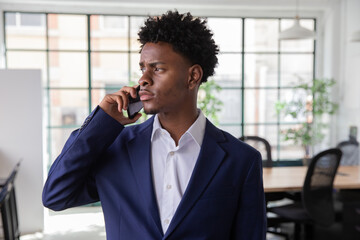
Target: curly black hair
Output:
{"points": [[189, 36]]}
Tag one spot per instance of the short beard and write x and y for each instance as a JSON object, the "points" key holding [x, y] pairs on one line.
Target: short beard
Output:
{"points": [[151, 111]]}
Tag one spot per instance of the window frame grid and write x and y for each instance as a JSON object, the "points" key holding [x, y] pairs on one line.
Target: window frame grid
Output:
{"points": [[129, 51]]}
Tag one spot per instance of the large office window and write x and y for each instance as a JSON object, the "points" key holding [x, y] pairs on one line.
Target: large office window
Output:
{"points": [[84, 57]]}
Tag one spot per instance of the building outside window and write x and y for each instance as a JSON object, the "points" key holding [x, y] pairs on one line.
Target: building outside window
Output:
{"points": [[84, 57]]}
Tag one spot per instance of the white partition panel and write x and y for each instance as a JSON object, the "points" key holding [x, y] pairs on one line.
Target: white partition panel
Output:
{"points": [[21, 138]]}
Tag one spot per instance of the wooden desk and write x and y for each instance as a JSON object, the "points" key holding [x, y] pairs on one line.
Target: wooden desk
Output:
{"points": [[282, 179]]}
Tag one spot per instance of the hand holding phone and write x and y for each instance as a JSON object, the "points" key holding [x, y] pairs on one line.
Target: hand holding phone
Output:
{"points": [[135, 105]]}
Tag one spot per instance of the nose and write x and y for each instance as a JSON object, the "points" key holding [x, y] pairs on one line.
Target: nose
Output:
{"points": [[145, 79]]}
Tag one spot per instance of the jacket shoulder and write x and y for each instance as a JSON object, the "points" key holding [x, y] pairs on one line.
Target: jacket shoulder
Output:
{"points": [[230, 142], [238, 145]]}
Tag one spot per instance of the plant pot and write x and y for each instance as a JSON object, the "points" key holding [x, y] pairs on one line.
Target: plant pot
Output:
{"points": [[306, 160]]}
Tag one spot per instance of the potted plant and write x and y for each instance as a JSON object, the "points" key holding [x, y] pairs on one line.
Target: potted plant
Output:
{"points": [[308, 106]]}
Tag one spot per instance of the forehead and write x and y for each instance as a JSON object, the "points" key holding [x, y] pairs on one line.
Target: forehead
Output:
{"points": [[160, 51]]}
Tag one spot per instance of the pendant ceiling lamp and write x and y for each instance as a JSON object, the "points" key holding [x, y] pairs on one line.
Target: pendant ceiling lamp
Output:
{"points": [[296, 31]]}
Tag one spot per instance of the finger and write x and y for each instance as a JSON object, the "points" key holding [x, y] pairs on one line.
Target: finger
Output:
{"points": [[137, 116], [132, 120], [121, 98], [133, 91], [125, 99], [120, 103], [130, 90], [109, 102]]}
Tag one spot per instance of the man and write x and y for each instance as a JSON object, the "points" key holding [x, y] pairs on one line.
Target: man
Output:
{"points": [[176, 176]]}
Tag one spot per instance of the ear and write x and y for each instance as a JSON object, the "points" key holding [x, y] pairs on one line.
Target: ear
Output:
{"points": [[195, 76]]}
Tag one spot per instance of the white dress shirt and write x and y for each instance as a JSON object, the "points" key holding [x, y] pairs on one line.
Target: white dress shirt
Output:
{"points": [[173, 165]]}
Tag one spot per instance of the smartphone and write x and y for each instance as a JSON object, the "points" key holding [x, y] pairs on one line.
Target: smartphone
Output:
{"points": [[135, 105]]}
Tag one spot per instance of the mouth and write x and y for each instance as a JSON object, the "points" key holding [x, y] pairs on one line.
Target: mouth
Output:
{"points": [[145, 95]]}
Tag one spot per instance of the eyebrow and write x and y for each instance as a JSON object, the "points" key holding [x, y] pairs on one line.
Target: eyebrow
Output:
{"points": [[153, 64]]}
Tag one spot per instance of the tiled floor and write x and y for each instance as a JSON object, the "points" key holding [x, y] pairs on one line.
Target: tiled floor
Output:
{"points": [[84, 223]]}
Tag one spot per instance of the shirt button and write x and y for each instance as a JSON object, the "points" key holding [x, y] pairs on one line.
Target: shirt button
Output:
{"points": [[172, 153], [168, 186], [166, 221]]}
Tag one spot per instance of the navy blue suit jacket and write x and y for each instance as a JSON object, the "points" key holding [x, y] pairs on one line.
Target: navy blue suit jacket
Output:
{"points": [[106, 161]]}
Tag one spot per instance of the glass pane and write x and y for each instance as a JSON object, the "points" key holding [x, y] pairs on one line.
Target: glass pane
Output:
{"points": [[109, 69], [28, 60], [10, 19], [68, 69], [68, 107], [260, 105], [135, 24], [296, 68], [97, 95], [57, 141], [67, 32], [135, 72], [261, 70], [228, 72], [233, 130], [231, 109], [261, 35], [228, 41], [295, 95], [23, 36], [288, 149], [269, 132], [303, 45], [109, 32], [115, 22], [31, 19]]}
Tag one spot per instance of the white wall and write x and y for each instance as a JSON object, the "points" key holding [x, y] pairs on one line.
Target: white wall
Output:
{"points": [[21, 138], [342, 62], [2, 55]]}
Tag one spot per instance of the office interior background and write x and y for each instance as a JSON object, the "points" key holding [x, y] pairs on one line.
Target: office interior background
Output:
{"points": [[86, 49]]}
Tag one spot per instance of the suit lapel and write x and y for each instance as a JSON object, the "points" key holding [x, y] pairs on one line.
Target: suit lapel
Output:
{"points": [[139, 148], [210, 158]]}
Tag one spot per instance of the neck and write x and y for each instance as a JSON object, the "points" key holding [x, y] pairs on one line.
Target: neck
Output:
{"points": [[178, 124]]}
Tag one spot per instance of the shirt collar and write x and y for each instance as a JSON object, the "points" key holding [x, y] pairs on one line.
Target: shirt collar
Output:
{"points": [[196, 130], [156, 127]]}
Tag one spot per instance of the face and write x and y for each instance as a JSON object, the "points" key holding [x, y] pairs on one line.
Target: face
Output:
{"points": [[164, 83]]}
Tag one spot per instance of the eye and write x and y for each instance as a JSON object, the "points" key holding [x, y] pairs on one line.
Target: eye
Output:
{"points": [[157, 69], [142, 70]]}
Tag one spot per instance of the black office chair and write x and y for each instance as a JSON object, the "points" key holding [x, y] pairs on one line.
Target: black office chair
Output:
{"points": [[317, 205], [350, 150], [8, 207], [264, 147], [350, 157]]}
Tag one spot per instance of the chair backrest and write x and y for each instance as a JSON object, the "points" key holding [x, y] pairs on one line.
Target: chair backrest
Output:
{"points": [[10, 180], [318, 186], [262, 145], [8, 206], [3, 193], [6, 214], [350, 150]]}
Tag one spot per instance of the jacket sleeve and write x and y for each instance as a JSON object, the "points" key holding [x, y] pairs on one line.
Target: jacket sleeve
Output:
{"points": [[250, 222], [71, 179]]}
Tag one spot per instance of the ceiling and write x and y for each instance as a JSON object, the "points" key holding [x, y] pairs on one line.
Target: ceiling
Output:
{"points": [[303, 4], [253, 8]]}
